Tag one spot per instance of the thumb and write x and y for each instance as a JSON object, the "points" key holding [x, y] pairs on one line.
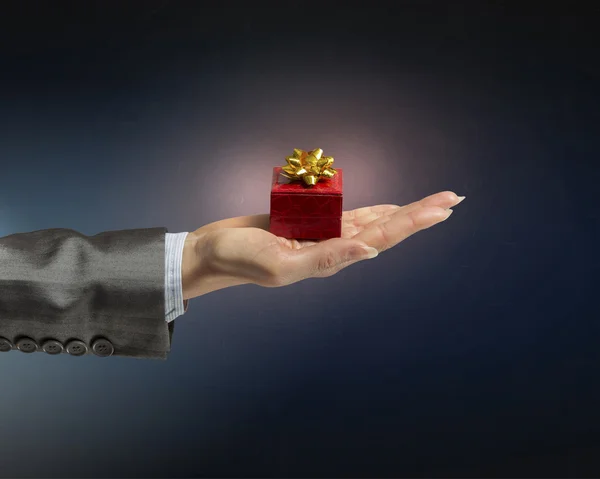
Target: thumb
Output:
{"points": [[328, 257]]}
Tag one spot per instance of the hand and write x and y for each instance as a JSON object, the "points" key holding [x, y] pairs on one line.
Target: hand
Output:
{"points": [[241, 250]]}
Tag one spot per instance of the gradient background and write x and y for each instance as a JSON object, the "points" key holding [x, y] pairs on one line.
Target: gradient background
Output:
{"points": [[472, 348]]}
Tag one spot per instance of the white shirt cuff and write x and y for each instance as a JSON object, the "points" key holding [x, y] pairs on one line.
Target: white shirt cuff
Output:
{"points": [[174, 304]]}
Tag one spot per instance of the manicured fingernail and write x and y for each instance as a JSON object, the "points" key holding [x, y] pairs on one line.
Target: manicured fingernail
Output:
{"points": [[448, 213], [460, 198], [371, 252]]}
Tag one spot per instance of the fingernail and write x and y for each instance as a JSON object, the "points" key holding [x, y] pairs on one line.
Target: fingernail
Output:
{"points": [[460, 198], [448, 213], [371, 252]]}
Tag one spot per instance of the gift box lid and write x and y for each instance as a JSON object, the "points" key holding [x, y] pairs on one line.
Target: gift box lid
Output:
{"points": [[281, 185]]}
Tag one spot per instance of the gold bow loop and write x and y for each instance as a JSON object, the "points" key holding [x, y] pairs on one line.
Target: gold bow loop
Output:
{"points": [[308, 166]]}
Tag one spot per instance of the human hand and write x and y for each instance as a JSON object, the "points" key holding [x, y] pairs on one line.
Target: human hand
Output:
{"points": [[241, 250]]}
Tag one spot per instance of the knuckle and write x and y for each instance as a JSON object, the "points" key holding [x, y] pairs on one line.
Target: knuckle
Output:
{"points": [[327, 262], [413, 222], [385, 236]]}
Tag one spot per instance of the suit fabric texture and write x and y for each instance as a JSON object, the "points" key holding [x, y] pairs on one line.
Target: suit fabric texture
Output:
{"points": [[65, 292]]}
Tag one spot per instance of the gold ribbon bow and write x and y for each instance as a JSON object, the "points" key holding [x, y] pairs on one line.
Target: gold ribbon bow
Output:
{"points": [[308, 166]]}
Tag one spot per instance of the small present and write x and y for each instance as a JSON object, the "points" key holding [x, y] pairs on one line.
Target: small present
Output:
{"points": [[306, 197]]}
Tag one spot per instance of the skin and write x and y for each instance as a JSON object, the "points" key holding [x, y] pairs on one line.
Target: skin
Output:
{"points": [[241, 250]]}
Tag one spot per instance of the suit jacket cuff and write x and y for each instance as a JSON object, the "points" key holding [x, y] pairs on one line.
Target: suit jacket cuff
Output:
{"points": [[62, 285]]}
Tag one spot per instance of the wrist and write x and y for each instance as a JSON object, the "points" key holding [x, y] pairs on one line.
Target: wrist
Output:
{"points": [[204, 271]]}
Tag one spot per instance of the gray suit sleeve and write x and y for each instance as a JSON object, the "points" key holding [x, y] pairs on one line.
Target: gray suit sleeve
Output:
{"points": [[64, 292]]}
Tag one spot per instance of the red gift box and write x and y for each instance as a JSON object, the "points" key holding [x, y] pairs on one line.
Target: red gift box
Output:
{"points": [[306, 212]]}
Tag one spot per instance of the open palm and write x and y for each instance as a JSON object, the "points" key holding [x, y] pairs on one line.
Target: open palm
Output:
{"points": [[241, 250]]}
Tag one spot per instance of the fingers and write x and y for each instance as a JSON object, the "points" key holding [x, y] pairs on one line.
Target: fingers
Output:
{"points": [[360, 213], [358, 217], [388, 232], [443, 199], [357, 220]]}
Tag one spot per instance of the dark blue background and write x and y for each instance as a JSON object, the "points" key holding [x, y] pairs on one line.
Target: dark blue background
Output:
{"points": [[470, 349]]}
